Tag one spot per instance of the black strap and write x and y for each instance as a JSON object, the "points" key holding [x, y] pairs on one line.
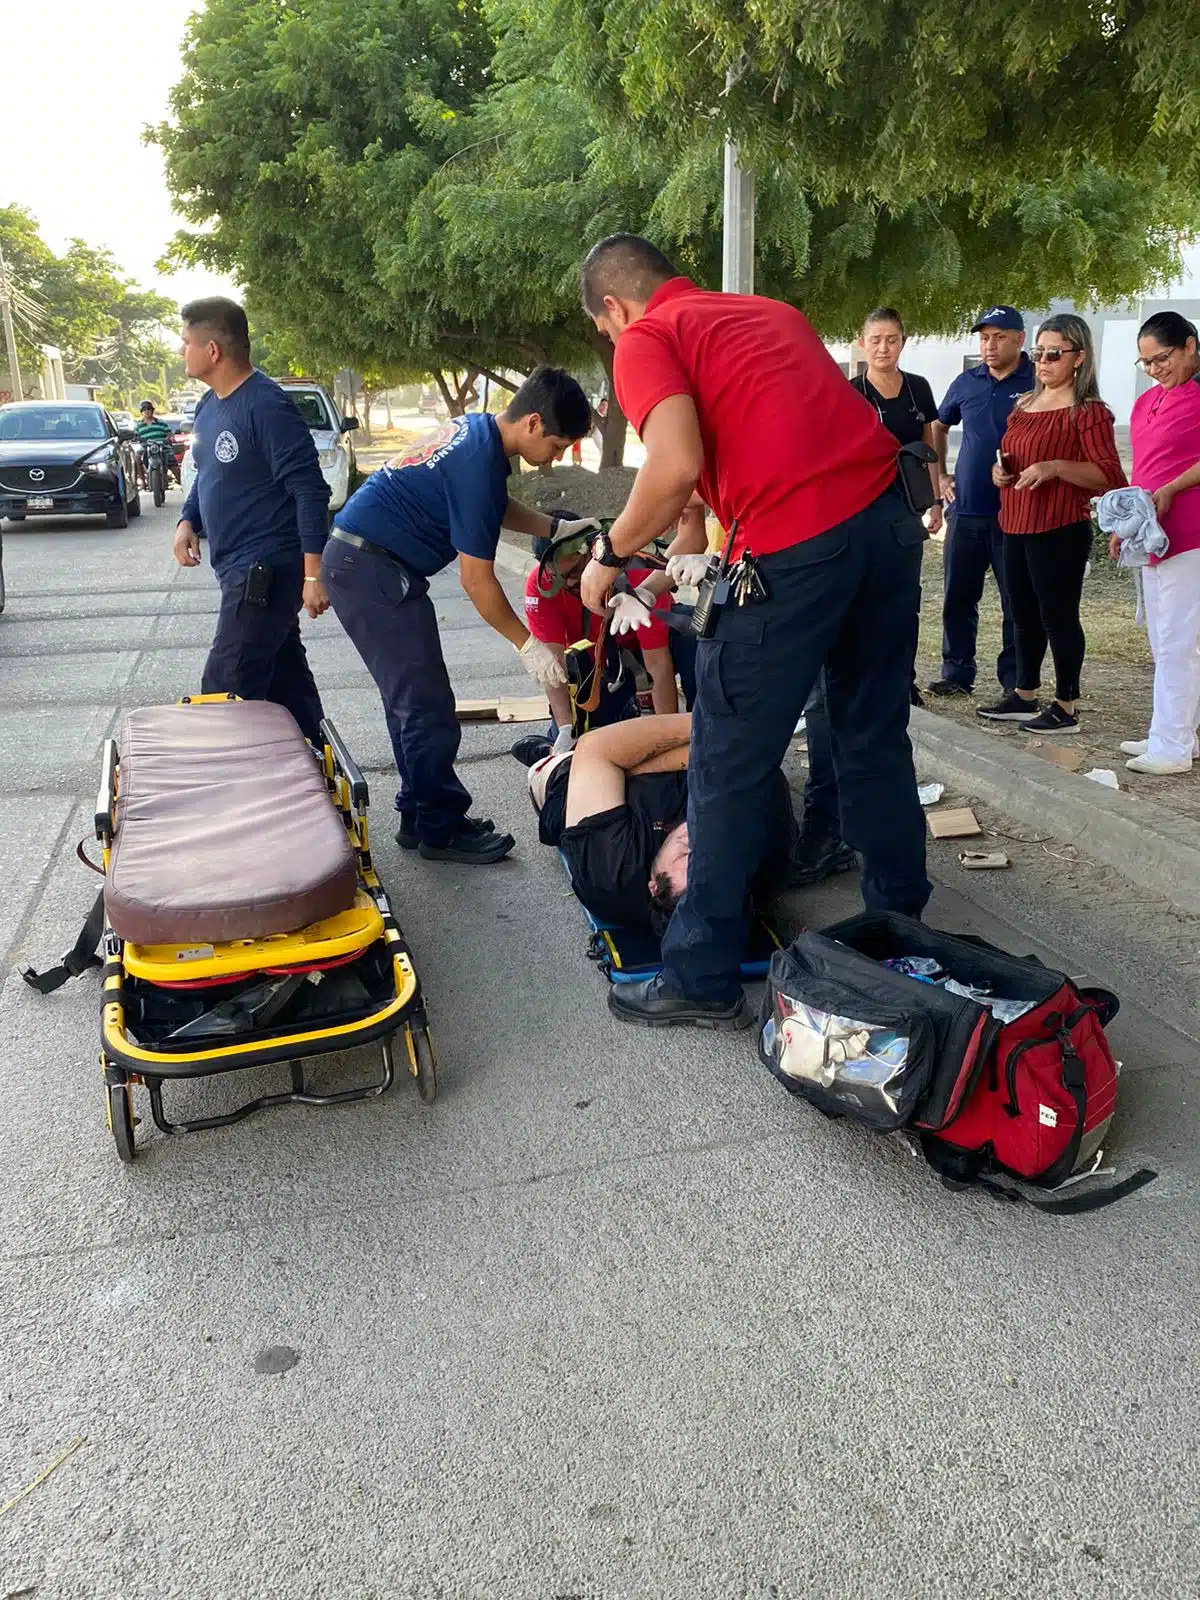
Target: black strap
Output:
{"points": [[78, 958]]}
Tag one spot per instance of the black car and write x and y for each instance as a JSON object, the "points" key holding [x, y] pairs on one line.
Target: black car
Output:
{"points": [[66, 458]]}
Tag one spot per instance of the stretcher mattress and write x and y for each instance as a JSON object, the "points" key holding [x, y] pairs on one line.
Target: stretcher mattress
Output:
{"points": [[225, 829]]}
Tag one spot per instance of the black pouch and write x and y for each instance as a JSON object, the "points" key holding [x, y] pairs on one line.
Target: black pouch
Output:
{"points": [[258, 585], [913, 464]]}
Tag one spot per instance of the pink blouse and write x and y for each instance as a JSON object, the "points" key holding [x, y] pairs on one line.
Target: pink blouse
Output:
{"points": [[1164, 433]]}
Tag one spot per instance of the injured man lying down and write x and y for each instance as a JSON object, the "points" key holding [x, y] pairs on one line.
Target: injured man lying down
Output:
{"points": [[616, 806]]}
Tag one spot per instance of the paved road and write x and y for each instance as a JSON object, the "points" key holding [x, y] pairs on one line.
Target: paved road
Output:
{"points": [[615, 1318]]}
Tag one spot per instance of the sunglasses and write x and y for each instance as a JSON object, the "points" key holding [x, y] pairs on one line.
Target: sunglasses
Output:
{"points": [[1052, 356], [1155, 363]]}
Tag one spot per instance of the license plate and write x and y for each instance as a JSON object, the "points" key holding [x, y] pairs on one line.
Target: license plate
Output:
{"points": [[39, 502]]}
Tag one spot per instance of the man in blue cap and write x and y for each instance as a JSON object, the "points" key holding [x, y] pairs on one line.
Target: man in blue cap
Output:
{"points": [[980, 399]]}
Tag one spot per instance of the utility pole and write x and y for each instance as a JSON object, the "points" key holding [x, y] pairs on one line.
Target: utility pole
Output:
{"points": [[10, 338], [737, 255]]}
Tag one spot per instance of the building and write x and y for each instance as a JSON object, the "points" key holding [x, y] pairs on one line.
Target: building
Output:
{"points": [[1114, 329]]}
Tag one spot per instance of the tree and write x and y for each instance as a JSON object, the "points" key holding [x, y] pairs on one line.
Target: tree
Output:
{"points": [[108, 330], [921, 150]]}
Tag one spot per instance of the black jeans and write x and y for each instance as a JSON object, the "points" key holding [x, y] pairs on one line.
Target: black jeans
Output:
{"points": [[973, 544], [390, 620], [258, 654], [847, 601], [1044, 572]]}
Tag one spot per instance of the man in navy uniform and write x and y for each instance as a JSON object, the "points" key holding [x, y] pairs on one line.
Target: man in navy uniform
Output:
{"points": [[445, 499], [262, 504], [981, 399]]}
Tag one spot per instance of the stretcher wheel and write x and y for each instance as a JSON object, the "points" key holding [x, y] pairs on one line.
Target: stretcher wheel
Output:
{"points": [[422, 1060], [121, 1119]]}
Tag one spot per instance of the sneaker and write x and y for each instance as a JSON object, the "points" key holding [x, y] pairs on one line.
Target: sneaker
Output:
{"points": [[1139, 747], [1053, 720], [471, 848], [532, 748], [943, 688], [1011, 709], [819, 856], [1158, 766], [406, 833]]}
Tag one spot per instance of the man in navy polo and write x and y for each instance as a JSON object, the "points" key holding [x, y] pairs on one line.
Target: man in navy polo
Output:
{"points": [[981, 400]]}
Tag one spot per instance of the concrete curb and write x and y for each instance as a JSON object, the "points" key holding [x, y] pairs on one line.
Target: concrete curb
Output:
{"points": [[1150, 845]]}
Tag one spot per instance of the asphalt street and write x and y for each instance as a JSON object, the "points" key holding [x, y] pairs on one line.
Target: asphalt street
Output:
{"points": [[616, 1319]]}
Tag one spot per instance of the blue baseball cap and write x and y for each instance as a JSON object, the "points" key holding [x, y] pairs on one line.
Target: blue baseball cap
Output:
{"points": [[1000, 317]]}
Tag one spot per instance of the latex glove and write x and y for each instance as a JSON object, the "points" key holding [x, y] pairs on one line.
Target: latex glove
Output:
{"points": [[564, 742], [542, 665], [574, 525], [628, 612], [687, 571]]}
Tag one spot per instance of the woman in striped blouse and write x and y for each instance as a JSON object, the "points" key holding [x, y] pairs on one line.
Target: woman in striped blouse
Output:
{"points": [[1058, 452]]}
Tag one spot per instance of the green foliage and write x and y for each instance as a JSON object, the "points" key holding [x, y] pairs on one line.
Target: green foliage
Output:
{"points": [[407, 186], [108, 330]]}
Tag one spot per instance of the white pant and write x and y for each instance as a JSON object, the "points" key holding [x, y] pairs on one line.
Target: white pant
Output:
{"points": [[1172, 594]]}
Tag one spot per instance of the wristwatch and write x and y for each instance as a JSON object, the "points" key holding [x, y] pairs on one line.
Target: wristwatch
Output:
{"points": [[602, 551]]}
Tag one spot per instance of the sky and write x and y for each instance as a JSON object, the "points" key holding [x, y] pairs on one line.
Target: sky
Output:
{"points": [[81, 79]]}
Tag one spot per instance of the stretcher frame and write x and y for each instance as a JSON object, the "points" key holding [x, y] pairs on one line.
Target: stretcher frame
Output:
{"points": [[127, 1064]]}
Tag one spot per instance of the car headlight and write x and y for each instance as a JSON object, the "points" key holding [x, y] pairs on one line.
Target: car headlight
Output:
{"points": [[329, 458], [104, 462]]}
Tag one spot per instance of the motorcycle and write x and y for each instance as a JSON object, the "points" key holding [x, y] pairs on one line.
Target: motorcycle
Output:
{"points": [[157, 454]]}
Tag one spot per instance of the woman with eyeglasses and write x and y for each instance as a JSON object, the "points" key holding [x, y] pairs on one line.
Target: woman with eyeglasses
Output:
{"points": [[1164, 431], [1058, 452]]}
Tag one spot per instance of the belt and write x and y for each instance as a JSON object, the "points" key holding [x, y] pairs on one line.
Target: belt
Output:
{"points": [[371, 549]]}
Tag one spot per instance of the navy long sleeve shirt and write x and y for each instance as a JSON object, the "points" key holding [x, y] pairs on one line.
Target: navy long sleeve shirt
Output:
{"points": [[259, 494]]}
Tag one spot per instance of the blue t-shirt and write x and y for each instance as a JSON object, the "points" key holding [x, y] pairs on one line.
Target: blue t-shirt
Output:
{"points": [[982, 404], [259, 494], [444, 496]]}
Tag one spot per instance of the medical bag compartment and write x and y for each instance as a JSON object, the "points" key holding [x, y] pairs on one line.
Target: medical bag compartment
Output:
{"points": [[997, 1062]]}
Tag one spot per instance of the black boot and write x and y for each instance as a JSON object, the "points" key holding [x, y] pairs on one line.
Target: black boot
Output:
{"points": [[819, 856], [469, 846], [406, 833], [653, 1005]]}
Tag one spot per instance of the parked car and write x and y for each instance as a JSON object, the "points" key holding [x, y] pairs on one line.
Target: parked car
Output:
{"points": [[331, 435], [124, 419], [66, 458], [1, 572]]}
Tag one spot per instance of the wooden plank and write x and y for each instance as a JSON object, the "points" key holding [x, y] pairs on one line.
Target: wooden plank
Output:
{"points": [[533, 708], [476, 710], [959, 822]]}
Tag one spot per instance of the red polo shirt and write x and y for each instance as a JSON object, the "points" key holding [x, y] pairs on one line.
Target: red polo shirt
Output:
{"points": [[561, 619], [790, 447]]}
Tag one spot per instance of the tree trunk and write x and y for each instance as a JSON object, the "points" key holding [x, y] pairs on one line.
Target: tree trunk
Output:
{"points": [[387, 400], [612, 449]]}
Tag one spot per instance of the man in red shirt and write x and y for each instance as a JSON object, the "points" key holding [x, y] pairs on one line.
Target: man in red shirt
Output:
{"points": [[560, 620], [736, 395]]}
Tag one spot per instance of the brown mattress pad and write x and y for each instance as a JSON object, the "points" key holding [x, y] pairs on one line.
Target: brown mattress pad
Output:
{"points": [[225, 829]]}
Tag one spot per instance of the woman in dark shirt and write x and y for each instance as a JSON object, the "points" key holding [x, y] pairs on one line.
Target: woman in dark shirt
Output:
{"points": [[903, 400]]}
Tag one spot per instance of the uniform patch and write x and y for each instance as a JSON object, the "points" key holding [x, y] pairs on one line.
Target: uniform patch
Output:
{"points": [[226, 447], [424, 452]]}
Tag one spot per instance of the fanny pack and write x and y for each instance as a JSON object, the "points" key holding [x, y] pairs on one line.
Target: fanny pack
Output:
{"points": [[912, 465]]}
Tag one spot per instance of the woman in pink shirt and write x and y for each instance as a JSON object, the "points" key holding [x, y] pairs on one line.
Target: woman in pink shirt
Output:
{"points": [[1164, 433]]}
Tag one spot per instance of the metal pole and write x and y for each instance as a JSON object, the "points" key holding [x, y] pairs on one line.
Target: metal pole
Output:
{"points": [[737, 262], [10, 338]]}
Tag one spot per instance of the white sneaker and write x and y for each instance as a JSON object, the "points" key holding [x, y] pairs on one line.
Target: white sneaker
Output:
{"points": [[1157, 767], [1138, 747]]}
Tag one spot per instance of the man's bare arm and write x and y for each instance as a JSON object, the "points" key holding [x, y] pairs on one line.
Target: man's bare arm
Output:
{"points": [[604, 759], [524, 519], [666, 482]]}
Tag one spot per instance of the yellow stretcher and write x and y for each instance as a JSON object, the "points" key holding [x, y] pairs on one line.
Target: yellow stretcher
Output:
{"points": [[242, 922]]}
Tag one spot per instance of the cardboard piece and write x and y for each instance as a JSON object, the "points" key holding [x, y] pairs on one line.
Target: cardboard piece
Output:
{"points": [[982, 860], [1068, 760], [959, 822], [533, 708]]}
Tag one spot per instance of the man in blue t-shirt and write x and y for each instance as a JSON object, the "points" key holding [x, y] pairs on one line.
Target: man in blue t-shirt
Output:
{"points": [[443, 499], [981, 400], [262, 504]]}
